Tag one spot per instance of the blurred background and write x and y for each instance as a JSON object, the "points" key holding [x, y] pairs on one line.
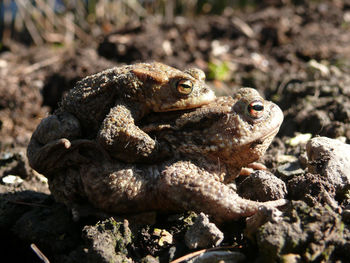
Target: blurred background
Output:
{"points": [[287, 49], [62, 21]]}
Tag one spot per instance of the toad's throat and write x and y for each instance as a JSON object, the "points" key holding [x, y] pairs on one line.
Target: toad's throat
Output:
{"points": [[261, 140]]}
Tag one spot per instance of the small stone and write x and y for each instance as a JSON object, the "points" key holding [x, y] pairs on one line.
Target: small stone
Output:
{"points": [[299, 139], [264, 214], [6, 156], [286, 158], [262, 186], [331, 159], [3, 63], [164, 236], [203, 234], [323, 69], [12, 179], [149, 259], [291, 258], [107, 241], [289, 170]]}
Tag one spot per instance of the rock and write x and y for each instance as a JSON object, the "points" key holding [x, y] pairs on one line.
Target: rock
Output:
{"points": [[283, 158], [107, 241], [311, 188], [164, 237], [265, 214], [289, 170], [203, 234], [12, 179], [326, 238], [291, 258], [299, 139], [331, 159], [149, 259], [262, 186]]}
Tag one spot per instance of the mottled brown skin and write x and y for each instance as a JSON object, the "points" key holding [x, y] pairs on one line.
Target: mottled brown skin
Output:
{"points": [[106, 106], [209, 145], [110, 102]]}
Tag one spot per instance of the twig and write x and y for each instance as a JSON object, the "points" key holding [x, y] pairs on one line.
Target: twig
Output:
{"points": [[41, 64], [196, 253], [26, 203], [243, 26], [135, 6], [49, 13], [41, 16], [81, 13], [29, 23], [70, 25], [39, 253]]}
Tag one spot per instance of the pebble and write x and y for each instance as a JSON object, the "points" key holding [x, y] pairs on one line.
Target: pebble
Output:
{"points": [[286, 158], [289, 170], [203, 234], [299, 139], [331, 159], [164, 236], [264, 214], [262, 186], [12, 180], [291, 258]]}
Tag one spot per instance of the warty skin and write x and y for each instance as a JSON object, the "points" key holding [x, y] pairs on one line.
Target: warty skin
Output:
{"points": [[208, 147]]}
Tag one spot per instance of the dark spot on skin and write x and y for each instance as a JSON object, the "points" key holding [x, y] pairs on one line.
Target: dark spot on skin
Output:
{"points": [[255, 143]]}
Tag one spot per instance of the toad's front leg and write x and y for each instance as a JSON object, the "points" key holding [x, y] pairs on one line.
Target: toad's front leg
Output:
{"points": [[193, 188], [124, 140]]}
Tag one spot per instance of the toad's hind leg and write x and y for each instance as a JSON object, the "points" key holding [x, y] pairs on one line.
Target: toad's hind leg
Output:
{"points": [[124, 140], [51, 139], [192, 188]]}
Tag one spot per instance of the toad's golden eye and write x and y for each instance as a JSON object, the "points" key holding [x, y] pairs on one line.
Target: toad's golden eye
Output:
{"points": [[256, 109], [184, 86]]}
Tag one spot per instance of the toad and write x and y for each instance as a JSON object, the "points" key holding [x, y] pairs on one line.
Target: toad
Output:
{"points": [[109, 104], [208, 146]]}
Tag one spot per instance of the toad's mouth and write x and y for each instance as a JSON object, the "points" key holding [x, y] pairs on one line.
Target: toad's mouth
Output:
{"points": [[271, 133], [262, 139], [187, 103]]}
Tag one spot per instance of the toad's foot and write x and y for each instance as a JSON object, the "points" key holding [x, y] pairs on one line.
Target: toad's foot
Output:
{"points": [[249, 169], [49, 154], [51, 139], [56, 154]]}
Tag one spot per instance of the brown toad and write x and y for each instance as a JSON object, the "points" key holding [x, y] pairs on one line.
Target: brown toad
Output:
{"points": [[209, 146], [110, 102]]}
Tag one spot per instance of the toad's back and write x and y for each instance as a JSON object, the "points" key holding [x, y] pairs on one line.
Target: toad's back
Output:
{"points": [[141, 87]]}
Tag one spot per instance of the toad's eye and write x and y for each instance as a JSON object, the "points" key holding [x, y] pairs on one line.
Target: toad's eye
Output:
{"points": [[184, 86], [256, 109]]}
